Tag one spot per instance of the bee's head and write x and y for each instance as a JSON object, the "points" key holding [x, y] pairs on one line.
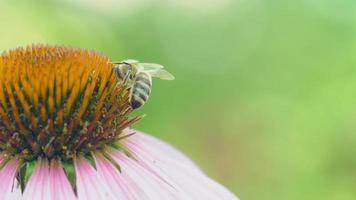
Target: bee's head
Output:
{"points": [[129, 68]]}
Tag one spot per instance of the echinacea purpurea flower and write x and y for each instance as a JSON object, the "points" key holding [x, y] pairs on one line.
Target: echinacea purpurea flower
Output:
{"points": [[64, 135]]}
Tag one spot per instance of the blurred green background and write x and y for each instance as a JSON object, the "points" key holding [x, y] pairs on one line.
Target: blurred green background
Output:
{"points": [[265, 91]]}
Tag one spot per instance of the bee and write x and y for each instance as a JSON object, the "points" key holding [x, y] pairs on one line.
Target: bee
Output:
{"points": [[138, 76]]}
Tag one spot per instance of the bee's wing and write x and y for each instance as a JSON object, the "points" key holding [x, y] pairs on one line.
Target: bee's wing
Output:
{"points": [[150, 66], [161, 74], [130, 61], [156, 71]]}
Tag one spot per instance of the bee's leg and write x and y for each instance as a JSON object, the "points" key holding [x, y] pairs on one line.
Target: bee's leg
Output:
{"points": [[126, 79]]}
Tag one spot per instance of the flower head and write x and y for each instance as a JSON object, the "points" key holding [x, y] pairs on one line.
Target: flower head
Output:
{"points": [[64, 134]]}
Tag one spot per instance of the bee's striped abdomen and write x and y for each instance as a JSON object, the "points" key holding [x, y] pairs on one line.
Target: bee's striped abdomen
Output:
{"points": [[141, 90]]}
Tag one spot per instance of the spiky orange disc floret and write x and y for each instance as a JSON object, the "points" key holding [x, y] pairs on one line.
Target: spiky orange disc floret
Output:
{"points": [[58, 101]]}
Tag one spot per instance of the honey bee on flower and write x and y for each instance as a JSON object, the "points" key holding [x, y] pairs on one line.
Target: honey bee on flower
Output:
{"points": [[65, 131], [139, 77]]}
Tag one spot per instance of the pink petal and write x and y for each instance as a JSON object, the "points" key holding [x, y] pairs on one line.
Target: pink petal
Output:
{"points": [[155, 145], [148, 184], [157, 171], [8, 189], [90, 185], [59, 184], [38, 185], [48, 182], [119, 185], [161, 172]]}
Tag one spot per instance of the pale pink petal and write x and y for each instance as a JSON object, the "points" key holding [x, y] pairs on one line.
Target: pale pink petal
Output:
{"points": [[90, 185], [45, 183], [161, 172], [8, 186], [59, 184], [163, 149], [138, 176], [156, 171], [119, 185], [38, 186]]}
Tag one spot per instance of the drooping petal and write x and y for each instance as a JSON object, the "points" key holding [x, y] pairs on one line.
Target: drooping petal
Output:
{"points": [[156, 171], [161, 172], [148, 184], [90, 185], [48, 182], [162, 159], [8, 188], [119, 185], [38, 186], [155, 145], [59, 183]]}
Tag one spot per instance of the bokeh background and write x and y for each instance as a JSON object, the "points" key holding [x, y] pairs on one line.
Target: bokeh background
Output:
{"points": [[265, 91]]}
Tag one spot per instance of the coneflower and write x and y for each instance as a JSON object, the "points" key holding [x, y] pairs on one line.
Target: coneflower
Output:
{"points": [[64, 135]]}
